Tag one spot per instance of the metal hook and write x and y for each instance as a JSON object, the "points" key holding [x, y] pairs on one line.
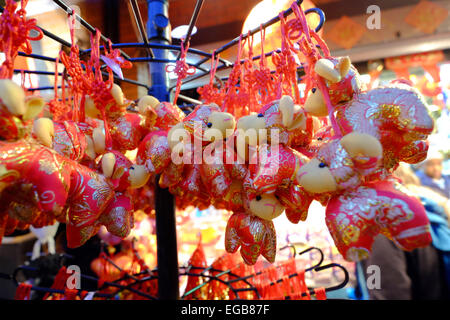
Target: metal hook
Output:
{"points": [[320, 260], [290, 245], [332, 265], [321, 17]]}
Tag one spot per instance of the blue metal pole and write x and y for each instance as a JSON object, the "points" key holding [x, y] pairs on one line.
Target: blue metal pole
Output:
{"points": [[158, 31]]}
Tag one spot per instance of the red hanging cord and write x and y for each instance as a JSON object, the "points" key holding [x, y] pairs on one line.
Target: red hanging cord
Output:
{"points": [[234, 95], [209, 93], [60, 281], [264, 84], [23, 292], [312, 54], [320, 294], [181, 69], [14, 35], [70, 294]]}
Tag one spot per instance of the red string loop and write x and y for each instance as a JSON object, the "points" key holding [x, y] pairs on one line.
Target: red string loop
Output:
{"points": [[14, 35], [181, 69]]}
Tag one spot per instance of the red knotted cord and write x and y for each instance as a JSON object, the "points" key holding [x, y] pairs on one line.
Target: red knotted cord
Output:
{"points": [[210, 93], [264, 82], [320, 294], [100, 90], [312, 54], [248, 84], [60, 281], [70, 294], [286, 66], [231, 100], [181, 69], [14, 35], [58, 108]]}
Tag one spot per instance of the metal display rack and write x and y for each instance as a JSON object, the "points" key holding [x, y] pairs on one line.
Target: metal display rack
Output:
{"points": [[143, 284], [156, 41]]}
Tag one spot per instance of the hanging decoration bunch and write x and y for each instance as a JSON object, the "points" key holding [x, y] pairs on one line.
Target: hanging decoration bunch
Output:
{"points": [[256, 146]]}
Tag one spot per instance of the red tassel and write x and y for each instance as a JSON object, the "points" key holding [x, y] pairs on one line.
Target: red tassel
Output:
{"points": [[70, 294], [320, 293], [23, 292]]}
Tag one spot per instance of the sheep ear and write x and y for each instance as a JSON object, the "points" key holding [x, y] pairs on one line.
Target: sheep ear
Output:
{"points": [[108, 163], [145, 102], [287, 110], [34, 105], [117, 94], [344, 66], [139, 176], [90, 151], [315, 103], [362, 145], [299, 121], [325, 68], [44, 130], [13, 97], [98, 137], [118, 173], [90, 108]]}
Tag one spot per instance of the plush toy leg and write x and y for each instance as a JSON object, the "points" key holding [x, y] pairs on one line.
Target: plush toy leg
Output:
{"points": [[352, 237], [191, 186], [118, 217], [254, 235], [11, 225], [250, 252], [90, 195], [415, 152], [269, 249], [77, 236], [232, 240], [3, 220], [36, 250], [172, 175], [406, 222], [216, 178], [154, 152], [296, 201]]}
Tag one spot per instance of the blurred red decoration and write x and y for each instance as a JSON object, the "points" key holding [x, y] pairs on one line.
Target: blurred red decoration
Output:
{"points": [[346, 32], [427, 16]]}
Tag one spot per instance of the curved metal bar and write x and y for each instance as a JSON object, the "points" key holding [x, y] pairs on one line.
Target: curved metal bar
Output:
{"points": [[47, 73], [216, 277], [198, 7], [291, 246], [211, 278], [320, 260], [37, 56], [332, 265], [321, 17], [162, 47], [251, 32], [229, 273], [44, 88], [83, 22], [265, 25]]}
